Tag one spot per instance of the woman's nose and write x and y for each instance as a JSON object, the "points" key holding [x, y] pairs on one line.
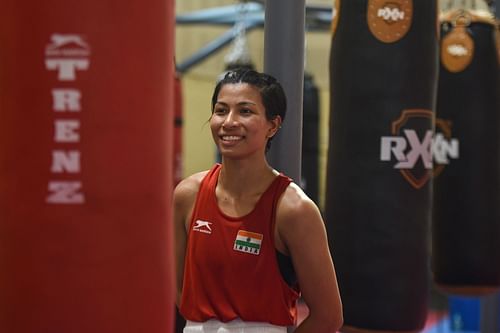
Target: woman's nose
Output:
{"points": [[231, 120]]}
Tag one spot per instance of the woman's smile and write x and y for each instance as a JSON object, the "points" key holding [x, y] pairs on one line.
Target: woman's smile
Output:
{"points": [[230, 140], [231, 137]]}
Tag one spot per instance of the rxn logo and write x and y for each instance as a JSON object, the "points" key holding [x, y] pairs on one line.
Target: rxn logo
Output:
{"points": [[391, 14], [409, 149]]}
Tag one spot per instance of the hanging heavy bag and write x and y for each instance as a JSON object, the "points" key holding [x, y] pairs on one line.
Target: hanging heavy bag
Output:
{"points": [[310, 139], [383, 68], [86, 128], [466, 223]]}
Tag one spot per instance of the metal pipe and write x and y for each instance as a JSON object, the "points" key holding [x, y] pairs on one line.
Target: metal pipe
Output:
{"points": [[284, 29], [213, 47]]}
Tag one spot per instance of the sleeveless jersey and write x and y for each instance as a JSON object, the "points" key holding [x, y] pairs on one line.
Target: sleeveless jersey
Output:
{"points": [[231, 270]]}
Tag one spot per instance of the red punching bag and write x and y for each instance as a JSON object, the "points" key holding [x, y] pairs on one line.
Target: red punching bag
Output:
{"points": [[86, 95]]}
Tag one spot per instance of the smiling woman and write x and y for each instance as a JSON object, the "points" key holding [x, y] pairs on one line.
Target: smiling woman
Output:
{"points": [[239, 120], [265, 96], [246, 224]]}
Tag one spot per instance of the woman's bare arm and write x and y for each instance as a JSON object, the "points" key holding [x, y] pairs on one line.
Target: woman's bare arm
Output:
{"points": [[303, 232], [183, 203]]}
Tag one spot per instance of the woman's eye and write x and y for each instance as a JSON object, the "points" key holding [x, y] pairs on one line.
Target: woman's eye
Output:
{"points": [[219, 111], [246, 111]]}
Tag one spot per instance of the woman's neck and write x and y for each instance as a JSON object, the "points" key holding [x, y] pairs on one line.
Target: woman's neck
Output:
{"points": [[240, 177]]}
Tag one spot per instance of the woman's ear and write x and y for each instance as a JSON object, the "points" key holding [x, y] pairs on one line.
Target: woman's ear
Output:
{"points": [[276, 125]]}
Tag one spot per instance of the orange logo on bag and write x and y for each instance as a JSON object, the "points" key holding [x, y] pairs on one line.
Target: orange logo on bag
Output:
{"points": [[389, 20], [457, 47]]}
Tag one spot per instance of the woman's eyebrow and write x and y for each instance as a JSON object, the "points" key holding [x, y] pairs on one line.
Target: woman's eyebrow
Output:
{"points": [[247, 102], [239, 103]]}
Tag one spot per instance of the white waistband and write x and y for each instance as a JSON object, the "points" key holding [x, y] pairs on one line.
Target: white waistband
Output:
{"points": [[234, 326]]}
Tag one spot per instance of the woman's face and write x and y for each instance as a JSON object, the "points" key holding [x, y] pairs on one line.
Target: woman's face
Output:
{"points": [[239, 124]]}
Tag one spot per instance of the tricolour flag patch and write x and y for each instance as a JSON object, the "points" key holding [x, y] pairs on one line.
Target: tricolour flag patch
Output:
{"points": [[248, 242]]}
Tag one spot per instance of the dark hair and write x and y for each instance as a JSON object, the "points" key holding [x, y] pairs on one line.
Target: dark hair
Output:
{"points": [[271, 91]]}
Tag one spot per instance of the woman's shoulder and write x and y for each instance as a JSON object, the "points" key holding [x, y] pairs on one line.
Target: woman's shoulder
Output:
{"points": [[189, 186], [296, 215], [295, 204]]}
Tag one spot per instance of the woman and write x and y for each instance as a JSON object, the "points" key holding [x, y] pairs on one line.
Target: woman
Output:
{"points": [[246, 236]]}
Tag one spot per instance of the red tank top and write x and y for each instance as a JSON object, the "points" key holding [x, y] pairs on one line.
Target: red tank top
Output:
{"points": [[231, 270]]}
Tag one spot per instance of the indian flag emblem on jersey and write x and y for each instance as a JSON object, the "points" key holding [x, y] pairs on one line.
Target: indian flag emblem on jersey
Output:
{"points": [[248, 242]]}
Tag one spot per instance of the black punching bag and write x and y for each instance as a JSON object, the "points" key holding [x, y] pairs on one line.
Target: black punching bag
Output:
{"points": [[310, 138], [466, 223], [383, 68]]}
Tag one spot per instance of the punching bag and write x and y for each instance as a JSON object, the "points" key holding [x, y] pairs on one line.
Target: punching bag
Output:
{"points": [[86, 95], [239, 54], [310, 139], [383, 68], [466, 223]]}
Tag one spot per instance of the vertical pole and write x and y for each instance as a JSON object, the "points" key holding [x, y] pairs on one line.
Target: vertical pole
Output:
{"points": [[284, 59]]}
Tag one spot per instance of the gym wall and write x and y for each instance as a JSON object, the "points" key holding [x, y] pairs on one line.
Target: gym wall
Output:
{"points": [[199, 150]]}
